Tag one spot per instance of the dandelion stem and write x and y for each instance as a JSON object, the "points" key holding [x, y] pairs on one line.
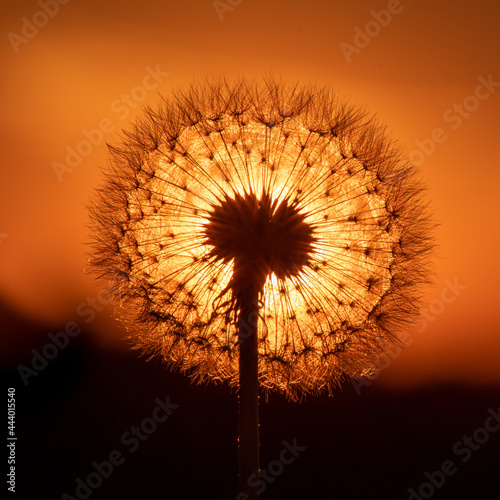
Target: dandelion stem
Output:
{"points": [[248, 423]]}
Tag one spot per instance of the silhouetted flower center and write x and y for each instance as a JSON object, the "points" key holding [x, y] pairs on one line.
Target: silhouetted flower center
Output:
{"points": [[262, 236]]}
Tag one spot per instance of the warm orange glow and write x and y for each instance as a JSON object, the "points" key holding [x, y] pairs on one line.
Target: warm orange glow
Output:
{"points": [[331, 316]]}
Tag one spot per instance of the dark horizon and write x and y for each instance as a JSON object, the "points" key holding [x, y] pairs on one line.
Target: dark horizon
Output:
{"points": [[370, 442]]}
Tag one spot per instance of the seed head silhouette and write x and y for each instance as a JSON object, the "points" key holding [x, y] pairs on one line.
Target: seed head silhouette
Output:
{"points": [[268, 217]]}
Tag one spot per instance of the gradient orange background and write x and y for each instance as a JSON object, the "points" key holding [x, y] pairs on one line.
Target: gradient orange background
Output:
{"points": [[68, 78], [427, 59]]}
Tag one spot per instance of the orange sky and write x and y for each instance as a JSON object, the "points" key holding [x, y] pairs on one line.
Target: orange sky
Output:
{"points": [[75, 72]]}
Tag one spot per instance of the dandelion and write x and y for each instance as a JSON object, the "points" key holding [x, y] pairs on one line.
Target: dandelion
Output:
{"points": [[262, 235]]}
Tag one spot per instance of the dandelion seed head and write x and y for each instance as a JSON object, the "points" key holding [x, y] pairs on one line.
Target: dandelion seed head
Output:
{"points": [[227, 190]]}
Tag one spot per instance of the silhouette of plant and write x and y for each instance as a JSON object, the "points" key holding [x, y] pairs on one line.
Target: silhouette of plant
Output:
{"points": [[286, 195], [263, 235]]}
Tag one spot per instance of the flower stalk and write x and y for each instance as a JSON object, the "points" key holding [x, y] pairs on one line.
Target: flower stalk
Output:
{"points": [[248, 398]]}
